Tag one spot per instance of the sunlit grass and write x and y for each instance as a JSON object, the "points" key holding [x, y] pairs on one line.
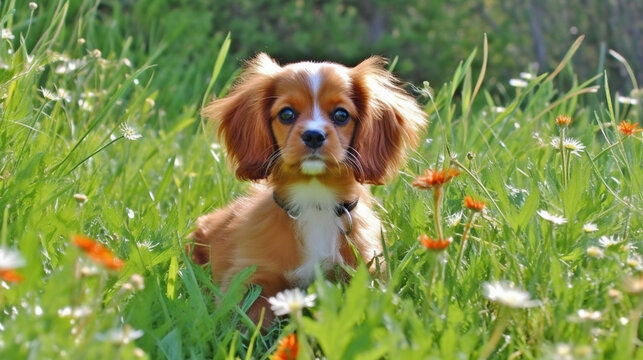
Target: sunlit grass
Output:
{"points": [[87, 150]]}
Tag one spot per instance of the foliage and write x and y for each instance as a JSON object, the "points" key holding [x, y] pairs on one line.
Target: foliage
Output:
{"points": [[69, 164]]}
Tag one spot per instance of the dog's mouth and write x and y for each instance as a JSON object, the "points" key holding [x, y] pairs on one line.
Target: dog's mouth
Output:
{"points": [[313, 164]]}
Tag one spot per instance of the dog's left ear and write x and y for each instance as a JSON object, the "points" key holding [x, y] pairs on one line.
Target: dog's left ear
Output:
{"points": [[389, 121]]}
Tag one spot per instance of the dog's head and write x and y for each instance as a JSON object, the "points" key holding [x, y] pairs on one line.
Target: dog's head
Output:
{"points": [[315, 118]]}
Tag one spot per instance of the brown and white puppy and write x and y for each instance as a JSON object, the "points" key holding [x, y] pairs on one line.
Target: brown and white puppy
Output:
{"points": [[317, 133]]}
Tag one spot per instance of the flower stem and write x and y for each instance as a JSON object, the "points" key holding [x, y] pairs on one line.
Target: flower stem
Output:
{"points": [[501, 325], [437, 199], [463, 242], [94, 153], [563, 157]]}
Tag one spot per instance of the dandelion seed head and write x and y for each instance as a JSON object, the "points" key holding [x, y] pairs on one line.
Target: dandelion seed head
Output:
{"points": [[554, 219], [291, 301], [506, 294]]}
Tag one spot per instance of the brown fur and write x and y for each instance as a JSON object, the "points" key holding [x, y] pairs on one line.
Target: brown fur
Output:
{"points": [[254, 230]]}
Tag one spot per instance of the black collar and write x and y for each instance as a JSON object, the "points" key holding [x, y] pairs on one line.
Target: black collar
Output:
{"points": [[340, 209]]}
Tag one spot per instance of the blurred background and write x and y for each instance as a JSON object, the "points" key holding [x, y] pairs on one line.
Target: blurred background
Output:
{"points": [[429, 37]]}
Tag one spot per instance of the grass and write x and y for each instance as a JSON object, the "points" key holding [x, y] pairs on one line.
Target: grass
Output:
{"points": [[62, 113]]}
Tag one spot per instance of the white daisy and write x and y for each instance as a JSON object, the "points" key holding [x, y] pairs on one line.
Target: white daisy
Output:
{"points": [[10, 259], [120, 336], [555, 219], [592, 315], [595, 252], [608, 242], [7, 34], [129, 132], [627, 100], [291, 301], [506, 294], [49, 95], [453, 220], [519, 83], [590, 227], [575, 146]]}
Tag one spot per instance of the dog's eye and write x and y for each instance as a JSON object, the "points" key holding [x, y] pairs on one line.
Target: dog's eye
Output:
{"points": [[340, 116], [287, 116]]}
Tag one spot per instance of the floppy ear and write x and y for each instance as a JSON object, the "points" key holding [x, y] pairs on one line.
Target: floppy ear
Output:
{"points": [[388, 123], [244, 120]]}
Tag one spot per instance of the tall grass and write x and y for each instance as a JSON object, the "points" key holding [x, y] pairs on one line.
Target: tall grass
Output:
{"points": [[70, 165]]}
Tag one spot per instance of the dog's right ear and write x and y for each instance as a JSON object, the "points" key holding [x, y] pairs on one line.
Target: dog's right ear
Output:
{"points": [[243, 117]]}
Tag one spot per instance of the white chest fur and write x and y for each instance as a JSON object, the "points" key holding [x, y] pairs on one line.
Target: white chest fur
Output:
{"points": [[317, 228]]}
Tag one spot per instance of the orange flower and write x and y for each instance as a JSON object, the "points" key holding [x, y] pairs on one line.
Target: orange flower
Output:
{"points": [[627, 128], [472, 204], [287, 349], [435, 245], [563, 120], [433, 178], [98, 252], [11, 276]]}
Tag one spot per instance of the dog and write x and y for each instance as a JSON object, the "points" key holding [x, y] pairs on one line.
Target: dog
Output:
{"points": [[316, 134]]}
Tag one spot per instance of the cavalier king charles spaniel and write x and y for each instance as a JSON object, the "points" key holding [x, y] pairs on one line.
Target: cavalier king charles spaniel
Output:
{"points": [[317, 134]]}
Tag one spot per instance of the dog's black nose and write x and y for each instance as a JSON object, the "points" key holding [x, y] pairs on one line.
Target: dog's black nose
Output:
{"points": [[313, 138]]}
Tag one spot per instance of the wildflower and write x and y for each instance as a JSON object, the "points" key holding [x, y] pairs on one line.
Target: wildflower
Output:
{"points": [[595, 252], [120, 336], [453, 220], [287, 349], [129, 132], [635, 262], [555, 219], [434, 244], [563, 120], [575, 146], [627, 100], [75, 312], [627, 128], [291, 301], [518, 83], [7, 34], [590, 227], [506, 294], [10, 259], [608, 242], [49, 95], [33, 5], [98, 252], [97, 53], [472, 204], [80, 198], [527, 76], [589, 315], [433, 178]]}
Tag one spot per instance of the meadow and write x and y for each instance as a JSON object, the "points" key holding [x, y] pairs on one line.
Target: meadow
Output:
{"points": [[105, 164]]}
